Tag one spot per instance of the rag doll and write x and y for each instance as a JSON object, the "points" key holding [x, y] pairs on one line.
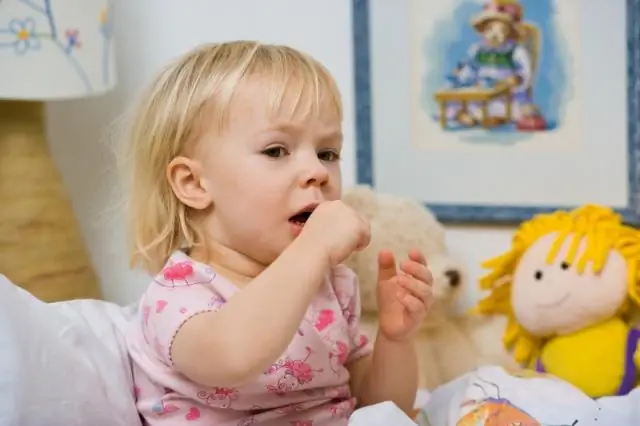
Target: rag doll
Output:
{"points": [[568, 286]]}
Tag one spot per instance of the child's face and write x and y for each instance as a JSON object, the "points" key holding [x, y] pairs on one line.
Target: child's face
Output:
{"points": [[266, 168]]}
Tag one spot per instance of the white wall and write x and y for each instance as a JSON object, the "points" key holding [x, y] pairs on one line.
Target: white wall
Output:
{"points": [[148, 36]]}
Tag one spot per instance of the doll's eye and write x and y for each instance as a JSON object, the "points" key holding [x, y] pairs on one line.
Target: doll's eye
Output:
{"points": [[565, 265], [538, 275]]}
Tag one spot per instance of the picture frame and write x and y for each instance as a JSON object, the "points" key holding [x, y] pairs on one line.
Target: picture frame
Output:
{"points": [[601, 159]]}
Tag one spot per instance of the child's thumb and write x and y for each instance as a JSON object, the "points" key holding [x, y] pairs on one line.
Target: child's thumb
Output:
{"points": [[386, 265]]}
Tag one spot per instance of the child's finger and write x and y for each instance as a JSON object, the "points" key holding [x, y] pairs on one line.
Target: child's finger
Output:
{"points": [[416, 288], [417, 256], [386, 265], [412, 304], [417, 270]]}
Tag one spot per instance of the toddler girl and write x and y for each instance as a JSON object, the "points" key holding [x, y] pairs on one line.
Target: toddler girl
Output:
{"points": [[235, 208]]}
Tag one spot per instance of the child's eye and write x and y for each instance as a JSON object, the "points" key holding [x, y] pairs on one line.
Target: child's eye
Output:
{"points": [[328, 156], [275, 152]]}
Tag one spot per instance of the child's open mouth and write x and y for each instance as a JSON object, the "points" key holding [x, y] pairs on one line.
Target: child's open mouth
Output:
{"points": [[299, 219]]}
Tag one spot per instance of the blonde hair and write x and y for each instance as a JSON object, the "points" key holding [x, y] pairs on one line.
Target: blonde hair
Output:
{"points": [[190, 96], [602, 230]]}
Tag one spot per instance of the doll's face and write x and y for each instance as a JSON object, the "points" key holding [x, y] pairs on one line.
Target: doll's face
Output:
{"points": [[555, 299]]}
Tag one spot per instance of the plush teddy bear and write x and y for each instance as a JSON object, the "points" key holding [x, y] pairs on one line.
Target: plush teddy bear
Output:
{"points": [[449, 343]]}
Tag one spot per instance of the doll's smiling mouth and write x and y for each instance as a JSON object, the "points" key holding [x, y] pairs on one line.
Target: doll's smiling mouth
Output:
{"points": [[555, 303]]}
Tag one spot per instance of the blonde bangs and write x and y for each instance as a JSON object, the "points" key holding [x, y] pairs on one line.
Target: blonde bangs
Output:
{"points": [[298, 83], [295, 81]]}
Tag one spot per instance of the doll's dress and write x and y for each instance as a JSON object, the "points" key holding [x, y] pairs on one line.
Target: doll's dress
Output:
{"points": [[599, 359]]}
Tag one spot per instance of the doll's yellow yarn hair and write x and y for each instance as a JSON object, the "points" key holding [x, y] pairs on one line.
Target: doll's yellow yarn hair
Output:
{"points": [[603, 230]]}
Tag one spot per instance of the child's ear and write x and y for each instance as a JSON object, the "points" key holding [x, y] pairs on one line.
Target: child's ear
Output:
{"points": [[186, 180]]}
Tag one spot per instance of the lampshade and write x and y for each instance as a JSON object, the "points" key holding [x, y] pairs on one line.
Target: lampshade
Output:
{"points": [[49, 50], [55, 49]]}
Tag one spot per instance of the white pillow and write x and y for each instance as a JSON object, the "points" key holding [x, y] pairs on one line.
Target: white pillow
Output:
{"points": [[63, 363]]}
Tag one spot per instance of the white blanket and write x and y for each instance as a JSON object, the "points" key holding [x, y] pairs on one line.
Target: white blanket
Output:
{"points": [[527, 399], [66, 364]]}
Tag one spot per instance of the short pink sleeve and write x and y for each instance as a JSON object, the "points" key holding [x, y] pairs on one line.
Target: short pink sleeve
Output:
{"points": [[180, 291], [347, 290]]}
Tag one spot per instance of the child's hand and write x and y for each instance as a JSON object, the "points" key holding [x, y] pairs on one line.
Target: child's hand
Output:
{"points": [[403, 296], [338, 230]]}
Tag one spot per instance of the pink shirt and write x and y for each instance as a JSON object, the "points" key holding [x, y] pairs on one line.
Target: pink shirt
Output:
{"points": [[306, 386]]}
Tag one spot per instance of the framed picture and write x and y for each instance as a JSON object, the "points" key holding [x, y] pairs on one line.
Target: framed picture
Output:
{"points": [[496, 110]]}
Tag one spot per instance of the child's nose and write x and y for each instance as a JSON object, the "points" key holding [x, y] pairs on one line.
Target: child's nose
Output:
{"points": [[315, 173]]}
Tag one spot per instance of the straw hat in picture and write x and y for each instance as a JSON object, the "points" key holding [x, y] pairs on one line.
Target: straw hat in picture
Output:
{"points": [[508, 11]]}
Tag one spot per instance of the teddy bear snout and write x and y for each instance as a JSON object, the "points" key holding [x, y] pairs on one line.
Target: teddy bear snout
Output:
{"points": [[454, 277]]}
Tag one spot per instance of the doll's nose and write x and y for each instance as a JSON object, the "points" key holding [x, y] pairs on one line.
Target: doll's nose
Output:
{"points": [[453, 276]]}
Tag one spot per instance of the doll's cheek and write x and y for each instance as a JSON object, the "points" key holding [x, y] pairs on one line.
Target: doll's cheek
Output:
{"points": [[540, 304], [544, 321], [530, 316], [602, 295]]}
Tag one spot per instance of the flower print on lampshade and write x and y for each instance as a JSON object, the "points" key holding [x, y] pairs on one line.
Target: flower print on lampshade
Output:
{"points": [[56, 49]]}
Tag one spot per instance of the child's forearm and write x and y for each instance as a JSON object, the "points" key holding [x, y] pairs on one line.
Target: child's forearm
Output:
{"points": [[245, 337], [391, 375]]}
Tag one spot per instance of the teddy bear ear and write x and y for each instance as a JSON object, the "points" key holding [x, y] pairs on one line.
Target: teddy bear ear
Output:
{"points": [[361, 198]]}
